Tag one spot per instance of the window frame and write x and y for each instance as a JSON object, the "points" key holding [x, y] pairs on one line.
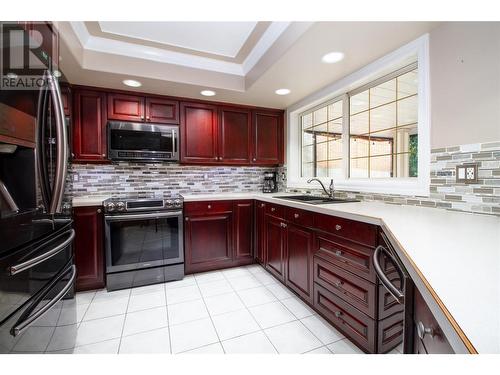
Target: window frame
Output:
{"points": [[372, 74]]}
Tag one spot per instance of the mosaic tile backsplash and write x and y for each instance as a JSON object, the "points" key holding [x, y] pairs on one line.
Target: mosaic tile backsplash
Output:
{"points": [[445, 192], [147, 179]]}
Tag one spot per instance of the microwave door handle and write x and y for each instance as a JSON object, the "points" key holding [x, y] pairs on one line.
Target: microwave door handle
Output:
{"points": [[174, 138], [395, 292], [41, 152], [27, 318], [61, 144]]}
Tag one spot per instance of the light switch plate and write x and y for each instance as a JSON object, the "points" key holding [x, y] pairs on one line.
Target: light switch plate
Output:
{"points": [[466, 173]]}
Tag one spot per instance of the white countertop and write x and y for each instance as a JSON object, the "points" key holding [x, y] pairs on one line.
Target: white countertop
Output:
{"points": [[458, 254]]}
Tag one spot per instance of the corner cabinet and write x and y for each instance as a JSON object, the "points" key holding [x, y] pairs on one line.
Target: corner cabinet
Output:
{"points": [[89, 247], [89, 126], [217, 234]]}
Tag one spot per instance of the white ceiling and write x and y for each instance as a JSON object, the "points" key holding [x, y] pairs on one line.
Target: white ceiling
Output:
{"points": [[220, 38], [285, 55]]}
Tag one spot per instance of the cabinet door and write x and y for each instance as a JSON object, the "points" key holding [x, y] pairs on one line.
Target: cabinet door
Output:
{"points": [[89, 254], [260, 212], [162, 111], [243, 232], [208, 242], [234, 136], [198, 133], [267, 138], [275, 250], [124, 107], [89, 126], [299, 243]]}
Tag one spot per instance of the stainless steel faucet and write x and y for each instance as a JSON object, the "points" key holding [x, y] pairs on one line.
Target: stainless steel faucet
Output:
{"points": [[331, 189]]}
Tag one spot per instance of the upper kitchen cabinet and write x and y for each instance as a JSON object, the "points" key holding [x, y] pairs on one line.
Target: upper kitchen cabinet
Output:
{"points": [[235, 135], [199, 133], [89, 126], [124, 107], [268, 138]]}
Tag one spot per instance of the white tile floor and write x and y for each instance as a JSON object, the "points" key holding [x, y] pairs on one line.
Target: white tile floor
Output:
{"points": [[239, 310]]}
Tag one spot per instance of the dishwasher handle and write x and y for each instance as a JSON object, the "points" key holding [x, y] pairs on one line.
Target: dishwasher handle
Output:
{"points": [[391, 288]]}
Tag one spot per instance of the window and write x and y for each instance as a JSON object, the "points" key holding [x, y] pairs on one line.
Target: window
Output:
{"points": [[380, 120]]}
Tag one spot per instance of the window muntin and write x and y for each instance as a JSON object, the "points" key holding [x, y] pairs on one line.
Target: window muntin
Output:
{"points": [[382, 128]]}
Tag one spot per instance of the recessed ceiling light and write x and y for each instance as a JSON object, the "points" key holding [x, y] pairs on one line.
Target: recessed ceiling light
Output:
{"points": [[12, 75], [282, 91], [207, 93], [57, 73], [132, 83], [332, 57]]}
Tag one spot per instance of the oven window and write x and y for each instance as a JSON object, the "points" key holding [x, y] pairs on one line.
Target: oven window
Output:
{"points": [[141, 140], [144, 240]]}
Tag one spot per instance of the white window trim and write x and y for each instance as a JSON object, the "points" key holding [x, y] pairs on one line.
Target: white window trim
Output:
{"points": [[394, 60]]}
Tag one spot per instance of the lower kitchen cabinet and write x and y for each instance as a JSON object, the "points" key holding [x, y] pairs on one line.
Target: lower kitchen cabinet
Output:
{"points": [[89, 247], [217, 234], [298, 260], [260, 227], [275, 246], [428, 336]]}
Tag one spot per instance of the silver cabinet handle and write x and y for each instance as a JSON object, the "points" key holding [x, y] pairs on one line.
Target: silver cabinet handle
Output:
{"points": [[209, 206], [42, 258], [296, 216], [283, 225], [262, 205], [338, 284], [273, 209], [338, 253], [338, 227], [187, 219], [254, 159], [99, 210], [103, 155], [422, 331], [338, 314]]}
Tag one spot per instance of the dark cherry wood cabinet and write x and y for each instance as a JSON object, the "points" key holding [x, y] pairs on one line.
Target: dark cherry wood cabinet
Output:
{"points": [[260, 229], [275, 246], [268, 138], [234, 135], [123, 107], [298, 261], [89, 126], [243, 212], [89, 247], [162, 111], [199, 133], [428, 336], [218, 234]]}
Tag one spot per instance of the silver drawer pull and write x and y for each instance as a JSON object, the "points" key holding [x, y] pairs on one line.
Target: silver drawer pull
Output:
{"points": [[262, 205], [296, 216], [338, 314], [338, 253], [187, 219], [338, 227], [422, 331], [209, 206], [273, 209], [338, 284]]}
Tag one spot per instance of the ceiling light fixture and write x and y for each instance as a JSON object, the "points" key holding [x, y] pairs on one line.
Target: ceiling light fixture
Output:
{"points": [[332, 57], [132, 83], [207, 93], [282, 91]]}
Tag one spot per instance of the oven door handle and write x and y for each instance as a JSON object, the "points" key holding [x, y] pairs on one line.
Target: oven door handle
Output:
{"points": [[26, 319], [395, 292], [142, 216], [43, 257]]}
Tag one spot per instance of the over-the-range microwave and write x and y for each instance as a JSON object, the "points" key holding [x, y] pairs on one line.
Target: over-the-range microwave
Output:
{"points": [[143, 142]]}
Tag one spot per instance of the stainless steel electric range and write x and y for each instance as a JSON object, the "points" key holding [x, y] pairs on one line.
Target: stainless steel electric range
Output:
{"points": [[143, 241]]}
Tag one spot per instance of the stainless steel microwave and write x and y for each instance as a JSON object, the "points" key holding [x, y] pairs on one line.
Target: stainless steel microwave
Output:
{"points": [[143, 142]]}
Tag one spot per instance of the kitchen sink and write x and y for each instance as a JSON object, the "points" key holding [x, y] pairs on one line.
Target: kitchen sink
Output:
{"points": [[316, 200]]}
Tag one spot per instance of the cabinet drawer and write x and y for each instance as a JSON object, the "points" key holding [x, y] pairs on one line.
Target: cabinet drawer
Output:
{"points": [[206, 207], [390, 332], [299, 217], [275, 210], [358, 327], [387, 304], [353, 230], [352, 289], [347, 255]]}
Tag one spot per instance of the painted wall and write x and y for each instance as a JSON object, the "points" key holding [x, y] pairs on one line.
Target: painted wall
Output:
{"points": [[465, 83]]}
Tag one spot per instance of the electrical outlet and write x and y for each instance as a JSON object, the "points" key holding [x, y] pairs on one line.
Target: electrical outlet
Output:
{"points": [[466, 173], [76, 178]]}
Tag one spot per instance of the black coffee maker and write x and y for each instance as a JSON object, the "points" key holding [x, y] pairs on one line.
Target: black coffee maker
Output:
{"points": [[270, 183]]}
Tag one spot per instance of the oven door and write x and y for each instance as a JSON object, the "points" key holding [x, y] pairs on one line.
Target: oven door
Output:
{"points": [[135, 241]]}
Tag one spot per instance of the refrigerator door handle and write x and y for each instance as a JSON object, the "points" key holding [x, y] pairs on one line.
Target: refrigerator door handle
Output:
{"points": [[395, 292], [61, 144], [41, 152]]}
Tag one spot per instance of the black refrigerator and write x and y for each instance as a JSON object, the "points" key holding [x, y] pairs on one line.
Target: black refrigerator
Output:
{"points": [[37, 271]]}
